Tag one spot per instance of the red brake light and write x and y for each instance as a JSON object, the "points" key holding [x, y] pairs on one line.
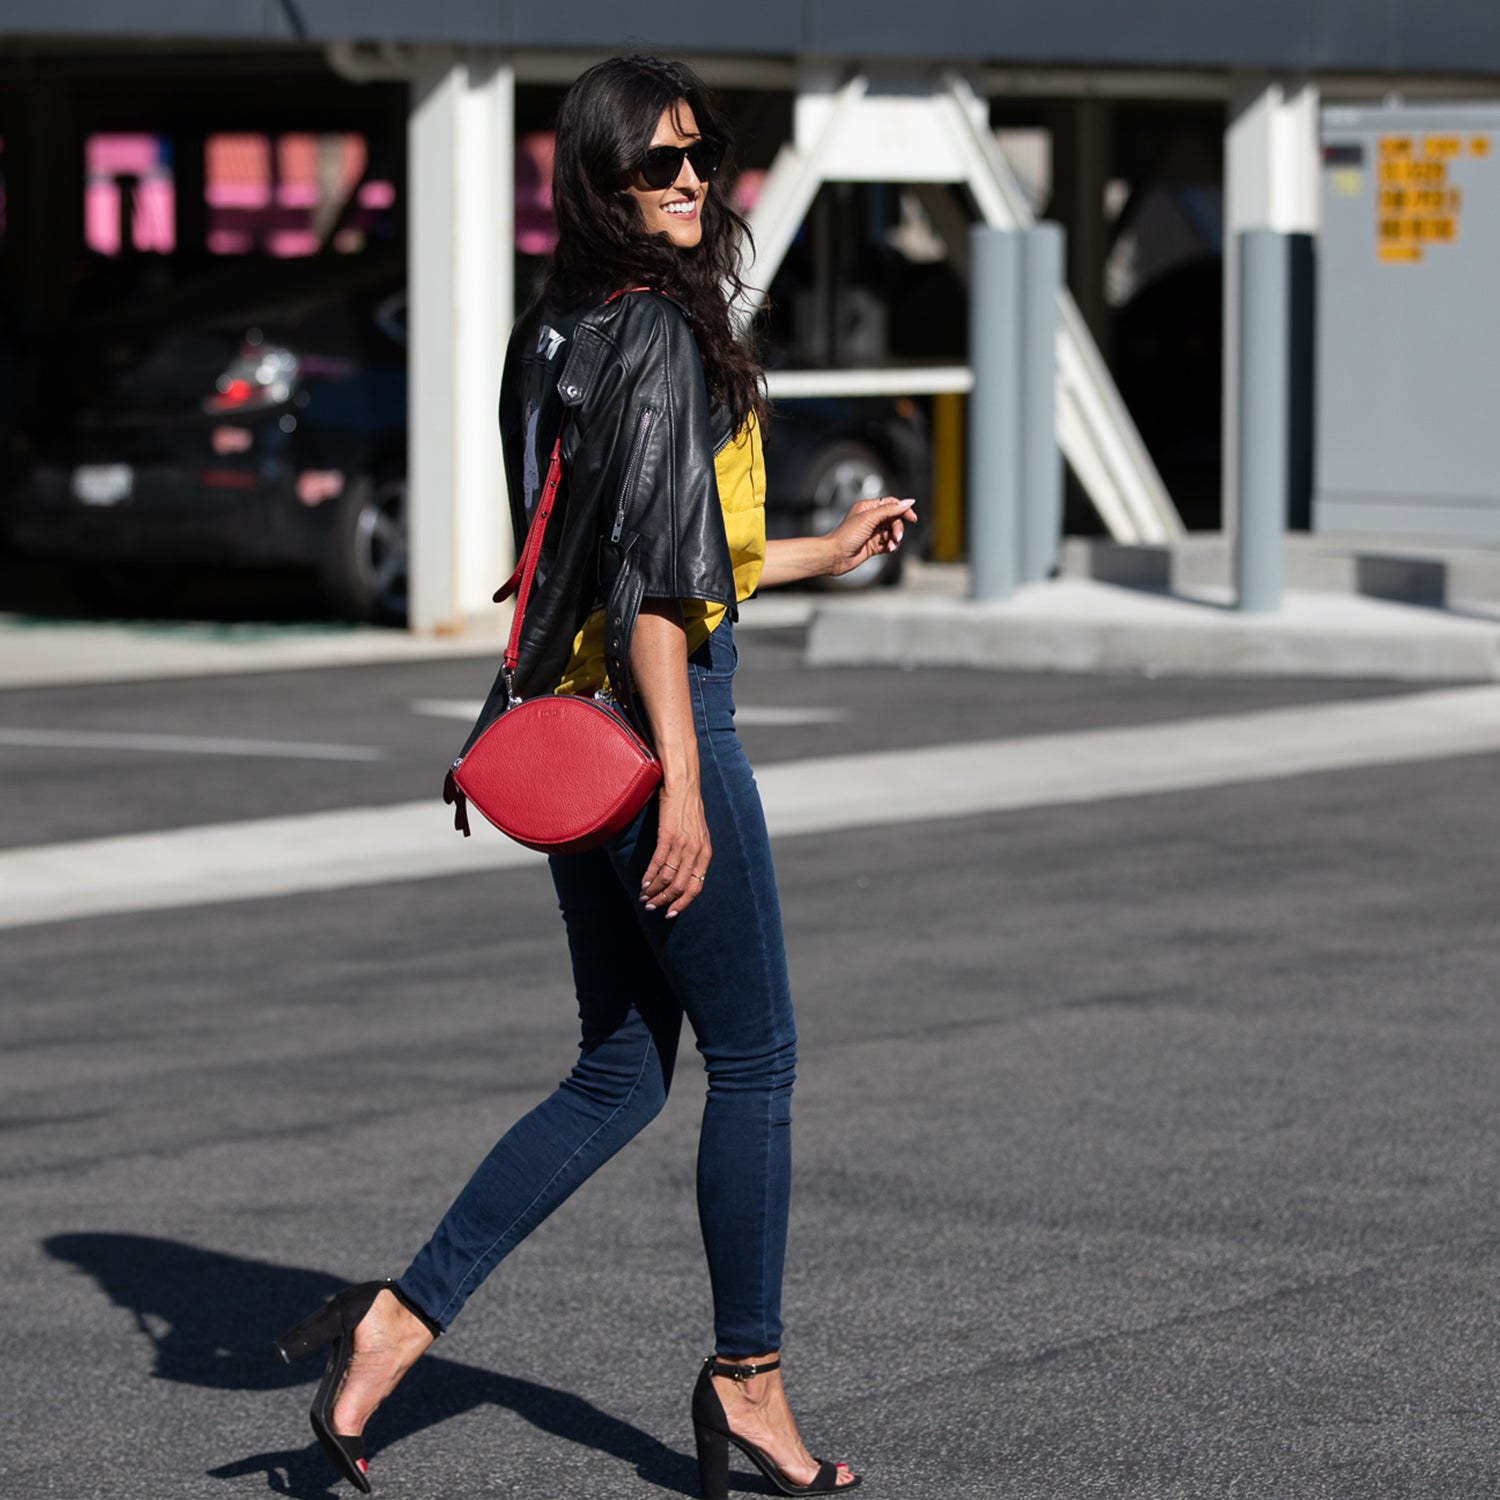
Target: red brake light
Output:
{"points": [[260, 375]]}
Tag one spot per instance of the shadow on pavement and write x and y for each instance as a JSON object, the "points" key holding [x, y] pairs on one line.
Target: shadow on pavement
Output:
{"points": [[211, 1318]]}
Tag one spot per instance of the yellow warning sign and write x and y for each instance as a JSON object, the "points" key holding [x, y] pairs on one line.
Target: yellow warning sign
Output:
{"points": [[1416, 205]]}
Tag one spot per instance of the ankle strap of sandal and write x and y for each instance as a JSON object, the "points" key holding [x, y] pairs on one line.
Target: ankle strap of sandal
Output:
{"points": [[741, 1373]]}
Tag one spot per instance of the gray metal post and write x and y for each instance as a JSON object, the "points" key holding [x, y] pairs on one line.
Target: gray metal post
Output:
{"points": [[1263, 466], [1042, 251], [994, 412]]}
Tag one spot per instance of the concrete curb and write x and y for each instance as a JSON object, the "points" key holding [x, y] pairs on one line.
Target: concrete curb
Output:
{"points": [[36, 652], [1075, 626], [46, 654], [1069, 625]]}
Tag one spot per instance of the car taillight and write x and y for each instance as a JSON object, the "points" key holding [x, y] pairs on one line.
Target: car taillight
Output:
{"points": [[260, 375]]}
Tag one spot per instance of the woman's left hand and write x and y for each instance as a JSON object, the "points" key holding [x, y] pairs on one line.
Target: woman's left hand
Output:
{"points": [[871, 528]]}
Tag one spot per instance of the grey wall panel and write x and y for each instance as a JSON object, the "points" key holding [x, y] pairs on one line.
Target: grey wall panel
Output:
{"points": [[474, 21], [146, 18], [1067, 31], [1352, 34], [1362, 35], [666, 26], [479, 22], [1439, 36]]}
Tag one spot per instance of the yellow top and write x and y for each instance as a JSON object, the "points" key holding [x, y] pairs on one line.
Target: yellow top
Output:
{"points": [[740, 469]]}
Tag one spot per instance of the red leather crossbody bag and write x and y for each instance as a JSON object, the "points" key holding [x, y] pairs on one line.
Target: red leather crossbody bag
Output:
{"points": [[557, 773]]}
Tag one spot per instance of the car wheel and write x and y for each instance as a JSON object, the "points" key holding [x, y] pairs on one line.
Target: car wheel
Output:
{"points": [[365, 574], [837, 476]]}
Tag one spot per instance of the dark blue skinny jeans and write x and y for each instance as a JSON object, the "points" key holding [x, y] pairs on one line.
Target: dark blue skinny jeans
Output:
{"points": [[722, 964]]}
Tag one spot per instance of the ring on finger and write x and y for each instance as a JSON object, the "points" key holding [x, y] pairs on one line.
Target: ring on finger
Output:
{"points": [[696, 876]]}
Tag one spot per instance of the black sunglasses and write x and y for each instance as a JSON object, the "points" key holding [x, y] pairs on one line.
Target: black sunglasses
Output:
{"points": [[661, 166]]}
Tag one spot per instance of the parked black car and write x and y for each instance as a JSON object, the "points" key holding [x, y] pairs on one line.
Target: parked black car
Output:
{"points": [[272, 430]]}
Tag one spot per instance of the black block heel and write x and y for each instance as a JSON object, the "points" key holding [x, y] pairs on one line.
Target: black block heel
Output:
{"points": [[711, 1430], [713, 1463], [333, 1324], [320, 1329]]}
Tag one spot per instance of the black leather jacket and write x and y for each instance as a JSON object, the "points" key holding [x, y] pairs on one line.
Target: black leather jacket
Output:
{"points": [[638, 512]]}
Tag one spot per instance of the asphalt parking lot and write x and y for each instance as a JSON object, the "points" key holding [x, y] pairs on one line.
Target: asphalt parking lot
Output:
{"points": [[1145, 1144]]}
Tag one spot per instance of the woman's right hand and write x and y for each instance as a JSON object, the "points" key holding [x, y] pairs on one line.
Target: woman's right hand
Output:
{"points": [[679, 864]]}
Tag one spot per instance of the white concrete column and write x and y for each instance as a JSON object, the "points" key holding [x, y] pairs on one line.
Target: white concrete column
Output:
{"points": [[1271, 181], [461, 139]]}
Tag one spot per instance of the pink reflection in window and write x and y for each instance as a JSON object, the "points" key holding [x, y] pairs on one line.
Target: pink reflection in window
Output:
{"points": [[133, 169], [747, 188], [237, 172], [536, 228], [229, 242], [286, 243], [377, 195], [280, 194]]}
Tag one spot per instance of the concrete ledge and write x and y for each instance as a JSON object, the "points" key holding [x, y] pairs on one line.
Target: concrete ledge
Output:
{"points": [[1409, 569], [1075, 626]]}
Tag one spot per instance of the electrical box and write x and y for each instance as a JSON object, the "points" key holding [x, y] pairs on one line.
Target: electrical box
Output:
{"points": [[1408, 323]]}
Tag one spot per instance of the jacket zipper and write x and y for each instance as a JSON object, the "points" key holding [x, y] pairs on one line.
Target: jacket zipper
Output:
{"points": [[632, 471]]}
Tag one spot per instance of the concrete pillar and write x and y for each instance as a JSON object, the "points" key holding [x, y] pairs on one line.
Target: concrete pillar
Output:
{"points": [[461, 205], [1042, 253], [1264, 372], [994, 413], [1015, 469], [1271, 181]]}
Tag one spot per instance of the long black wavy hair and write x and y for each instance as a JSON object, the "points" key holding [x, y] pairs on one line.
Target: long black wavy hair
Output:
{"points": [[603, 131]]}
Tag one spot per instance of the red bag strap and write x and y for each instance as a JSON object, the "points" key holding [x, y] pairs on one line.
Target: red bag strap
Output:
{"points": [[526, 568]]}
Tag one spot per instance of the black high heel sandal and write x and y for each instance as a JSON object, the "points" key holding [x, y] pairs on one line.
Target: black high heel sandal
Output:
{"points": [[334, 1324], [711, 1429]]}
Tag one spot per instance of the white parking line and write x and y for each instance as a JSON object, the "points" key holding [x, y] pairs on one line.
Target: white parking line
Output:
{"points": [[182, 744], [771, 717], [466, 709], [744, 713], [374, 845]]}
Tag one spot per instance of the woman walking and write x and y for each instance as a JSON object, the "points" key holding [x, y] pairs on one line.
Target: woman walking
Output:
{"points": [[659, 533]]}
